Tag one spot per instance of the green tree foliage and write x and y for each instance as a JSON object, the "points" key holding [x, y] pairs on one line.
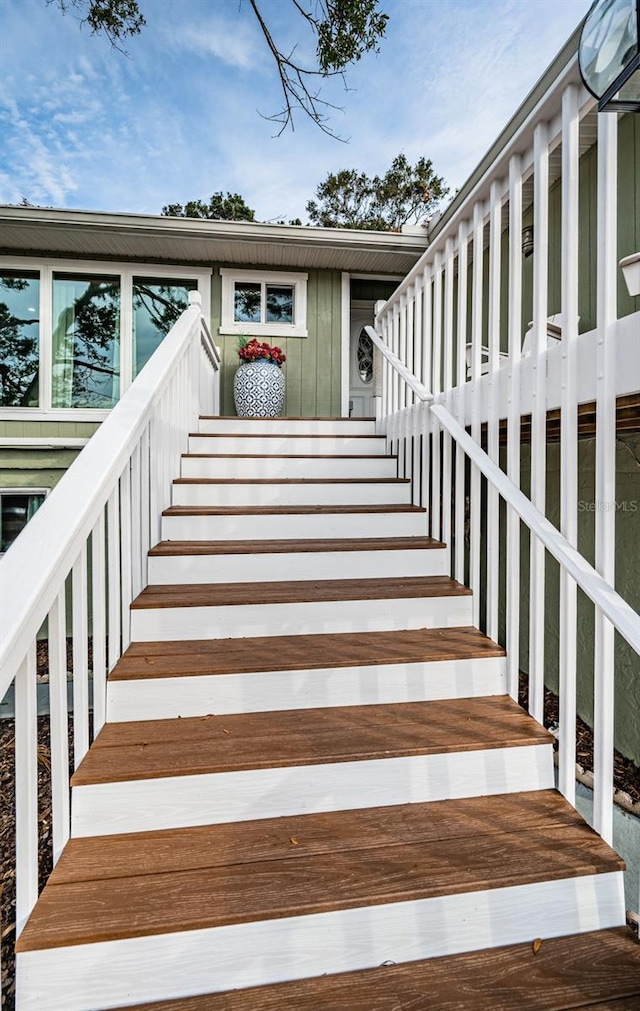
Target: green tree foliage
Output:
{"points": [[117, 19], [220, 208], [341, 30], [405, 193]]}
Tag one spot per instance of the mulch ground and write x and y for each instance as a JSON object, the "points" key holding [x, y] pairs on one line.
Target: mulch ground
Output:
{"points": [[627, 778]]}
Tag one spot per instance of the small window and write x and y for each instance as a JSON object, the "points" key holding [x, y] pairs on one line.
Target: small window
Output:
{"points": [[16, 509], [271, 305]]}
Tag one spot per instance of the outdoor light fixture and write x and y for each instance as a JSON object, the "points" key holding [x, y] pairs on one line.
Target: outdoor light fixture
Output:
{"points": [[527, 240], [609, 54]]}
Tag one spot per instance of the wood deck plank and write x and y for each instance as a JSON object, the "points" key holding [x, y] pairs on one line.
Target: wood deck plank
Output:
{"points": [[178, 658], [210, 744], [244, 889], [598, 970], [170, 548], [296, 591], [288, 510]]}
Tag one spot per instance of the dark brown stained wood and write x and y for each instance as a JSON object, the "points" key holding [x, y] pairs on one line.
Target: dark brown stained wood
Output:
{"points": [[139, 853], [307, 590], [291, 480], [289, 510], [283, 435], [244, 889], [209, 744], [288, 546], [178, 658], [599, 971], [627, 421]]}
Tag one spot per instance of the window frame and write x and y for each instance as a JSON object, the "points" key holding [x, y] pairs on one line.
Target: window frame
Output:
{"points": [[47, 267], [23, 491], [298, 281]]}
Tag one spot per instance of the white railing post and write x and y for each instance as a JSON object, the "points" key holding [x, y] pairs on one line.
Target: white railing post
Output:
{"points": [[539, 415], [605, 468], [493, 413], [461, 377], [513, 423], [476, 358], [569, 437]]}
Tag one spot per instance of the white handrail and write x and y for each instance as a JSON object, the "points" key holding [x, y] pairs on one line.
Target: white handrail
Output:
{"points": [[421, 391], [621, 615], [54, 537]]}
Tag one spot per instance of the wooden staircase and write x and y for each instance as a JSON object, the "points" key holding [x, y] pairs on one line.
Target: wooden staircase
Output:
{"points": [[312, 791]]}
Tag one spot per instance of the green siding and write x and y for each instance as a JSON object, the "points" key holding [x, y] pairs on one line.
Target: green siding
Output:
{"points": [[47, 429], [313, 367]]}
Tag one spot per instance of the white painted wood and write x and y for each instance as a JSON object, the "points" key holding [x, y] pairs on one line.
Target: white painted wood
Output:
{"points": [[26, 789], [164, 623], [539, 415], [345, 341], [605, 491], [612, 605], [282, 467], [461, 343], [282, 445], [59, 735], [239, 493], [276, 566], [569, 438], [81, 977], [513, 421], [493, 441], [199, 695], [286, 426], [143, 805], [476, 353], [285, 526], [80, 629], [126, 574], [98, 622], [401, 372], [113, 563]]}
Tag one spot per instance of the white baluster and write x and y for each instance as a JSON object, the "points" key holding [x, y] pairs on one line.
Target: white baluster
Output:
{"points": [[59, 723], [513, 423], [80, 631]]}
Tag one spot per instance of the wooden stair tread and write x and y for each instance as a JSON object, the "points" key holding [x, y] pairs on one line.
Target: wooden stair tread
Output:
{"points": [[291, 480], [260, 547], [297, 591], [178, 658], [599, 970], [287, 510], [257, 872], [148, 749], [287, 417]]}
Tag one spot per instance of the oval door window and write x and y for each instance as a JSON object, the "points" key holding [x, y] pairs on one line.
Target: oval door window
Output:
{"points": [[365, 357]]}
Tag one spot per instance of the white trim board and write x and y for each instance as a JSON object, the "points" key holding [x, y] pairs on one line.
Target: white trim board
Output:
{"points": [[145, 805], [265, 691], [107, 974], [159, 624]]}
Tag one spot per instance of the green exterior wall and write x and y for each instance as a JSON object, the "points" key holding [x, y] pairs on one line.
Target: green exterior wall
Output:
{"points": [[39, 467], [313, 367]]}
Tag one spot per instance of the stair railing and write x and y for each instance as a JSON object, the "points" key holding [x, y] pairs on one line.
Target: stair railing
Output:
{"points": [[72, 573]]}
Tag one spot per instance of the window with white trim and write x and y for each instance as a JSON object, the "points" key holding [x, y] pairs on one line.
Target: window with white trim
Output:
{"points": [[17, 506], [74, 334], [263, 303]]}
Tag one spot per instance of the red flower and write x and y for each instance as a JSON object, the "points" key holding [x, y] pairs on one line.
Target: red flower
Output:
{"points": [[254, 350]]}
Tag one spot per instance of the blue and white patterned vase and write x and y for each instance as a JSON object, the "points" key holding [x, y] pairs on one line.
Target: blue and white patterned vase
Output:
{"points": [[258, 389]]}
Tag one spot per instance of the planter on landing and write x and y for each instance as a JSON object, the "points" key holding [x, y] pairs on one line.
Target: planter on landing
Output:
{"points": [[258, 389]]}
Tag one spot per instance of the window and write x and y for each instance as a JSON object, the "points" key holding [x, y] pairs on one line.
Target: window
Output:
{"points": [[157, 304], [263, 304], [74, 334], [16, 509], [85, 341], [19, 338]]}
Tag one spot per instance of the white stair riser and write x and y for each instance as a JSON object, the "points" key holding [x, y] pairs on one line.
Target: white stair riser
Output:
{"points": [[300, 565], [238, 494], [267, 691], [282, 445], [146, 805], [283, 467], [285, 426], [296, 526], [83, 978], [160, 624]]}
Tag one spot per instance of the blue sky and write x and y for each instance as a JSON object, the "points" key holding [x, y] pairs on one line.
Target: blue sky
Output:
{"points": [[85, 127]]}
